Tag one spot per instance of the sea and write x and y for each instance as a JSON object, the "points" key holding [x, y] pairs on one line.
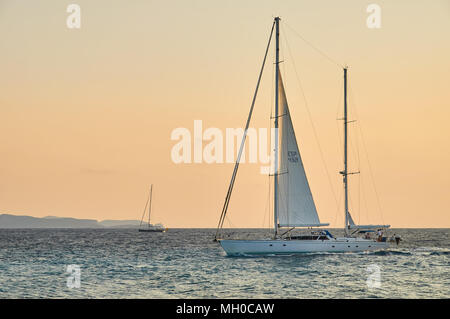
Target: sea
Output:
{"points": [[187, 263]]}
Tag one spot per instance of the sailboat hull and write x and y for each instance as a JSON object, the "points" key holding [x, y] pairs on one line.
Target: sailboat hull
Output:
{"points": [[152, 230], [288, 247]]}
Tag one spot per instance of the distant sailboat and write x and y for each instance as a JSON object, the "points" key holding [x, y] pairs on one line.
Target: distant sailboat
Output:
{"points": [[294, 205], [150, 227]]}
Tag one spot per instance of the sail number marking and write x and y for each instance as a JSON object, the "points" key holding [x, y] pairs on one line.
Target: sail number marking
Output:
{"points": [[292, 156]]}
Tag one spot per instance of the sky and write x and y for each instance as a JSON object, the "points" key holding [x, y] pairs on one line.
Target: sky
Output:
{"points": [[86, 114]]}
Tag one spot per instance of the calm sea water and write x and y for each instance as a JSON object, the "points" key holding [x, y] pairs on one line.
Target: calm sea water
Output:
{"points": [[186, 263]]}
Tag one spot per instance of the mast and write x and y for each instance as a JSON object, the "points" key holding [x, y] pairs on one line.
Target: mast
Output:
{"points": [[345, 172], [150, 204], [275, 177]]}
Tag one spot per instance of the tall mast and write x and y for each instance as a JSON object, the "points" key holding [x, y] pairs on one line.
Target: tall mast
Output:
{"points": [[345, 172], [275, 179], [150, 204]]}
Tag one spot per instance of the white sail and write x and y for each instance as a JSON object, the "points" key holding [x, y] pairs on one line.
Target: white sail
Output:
{"points": [[296, 206], [352, 225], [350, 219]]}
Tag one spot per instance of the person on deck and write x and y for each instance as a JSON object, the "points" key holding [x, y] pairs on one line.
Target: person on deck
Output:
{"points": [[397, 239], [380, 235]]}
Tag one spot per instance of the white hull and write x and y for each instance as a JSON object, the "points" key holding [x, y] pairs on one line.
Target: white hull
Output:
{"points": [[288, 247], [154, 228]]}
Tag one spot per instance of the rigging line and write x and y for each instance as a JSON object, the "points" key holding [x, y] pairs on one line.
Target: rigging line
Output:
{"points": [[267, 208], [150, 204], [314, 47], [359, 175], [272, 101], [145, 209], [229, 222], [271, 161], [233, 177], [355, 152], [351, 206], [340, 144], [338, 208], [353, 146], [338, 127], [311, 120], [368, 161], [354, 155], [364, 200]]}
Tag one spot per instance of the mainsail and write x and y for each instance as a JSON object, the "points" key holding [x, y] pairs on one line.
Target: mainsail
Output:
{"points": [[296, 206]]}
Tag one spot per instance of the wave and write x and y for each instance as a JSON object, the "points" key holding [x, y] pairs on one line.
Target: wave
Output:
{"points": [[390, 253], [434, 251]]}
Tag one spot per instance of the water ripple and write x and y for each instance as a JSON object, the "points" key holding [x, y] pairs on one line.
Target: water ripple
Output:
{"points": [[185, 263]]}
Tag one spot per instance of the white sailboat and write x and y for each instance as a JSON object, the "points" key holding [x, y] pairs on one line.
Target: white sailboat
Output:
{"points": [[294, 205], [150, 227]]}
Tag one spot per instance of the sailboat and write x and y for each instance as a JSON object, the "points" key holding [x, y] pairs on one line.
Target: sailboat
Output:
{"points": [[294, 206], [150, 227]]}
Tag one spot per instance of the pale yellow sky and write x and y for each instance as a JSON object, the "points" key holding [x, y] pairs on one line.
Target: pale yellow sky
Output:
{"points": [[86, 114]]}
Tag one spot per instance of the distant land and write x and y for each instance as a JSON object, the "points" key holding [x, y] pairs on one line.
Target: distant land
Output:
{"points": [[22, 221]]}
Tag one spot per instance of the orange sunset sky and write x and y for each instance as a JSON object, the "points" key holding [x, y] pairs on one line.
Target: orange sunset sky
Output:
{"points": [[86, 114]]}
